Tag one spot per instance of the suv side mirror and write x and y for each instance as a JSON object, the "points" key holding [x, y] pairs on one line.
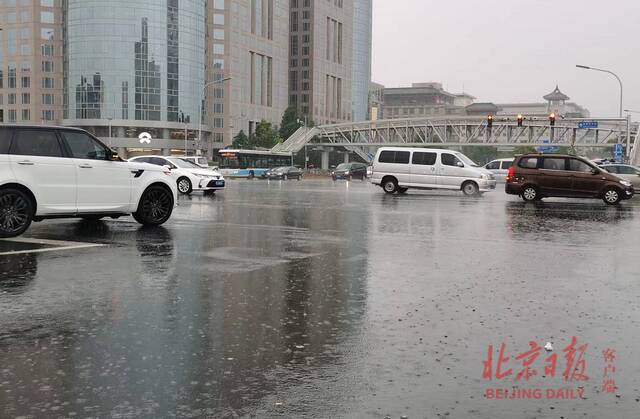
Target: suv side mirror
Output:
{"points": [[595, 171], [166, 166], [459, 164], [114, 156]]}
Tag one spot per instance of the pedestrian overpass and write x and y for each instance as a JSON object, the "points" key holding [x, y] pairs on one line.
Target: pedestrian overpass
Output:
{"points": [[363, 138]]}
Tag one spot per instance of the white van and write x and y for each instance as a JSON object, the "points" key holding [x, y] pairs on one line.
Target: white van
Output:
{"points": [[397, 169]]}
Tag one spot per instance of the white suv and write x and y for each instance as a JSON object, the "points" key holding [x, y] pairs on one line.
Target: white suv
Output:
{"points": [[396, 169], [56, 172]]}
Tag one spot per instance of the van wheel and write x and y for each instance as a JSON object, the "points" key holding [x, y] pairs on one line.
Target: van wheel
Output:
{"points": [[611, 196], [530, 194], [155, 207], [390, 186], [184, 186], [470, 188], [16, 212]]}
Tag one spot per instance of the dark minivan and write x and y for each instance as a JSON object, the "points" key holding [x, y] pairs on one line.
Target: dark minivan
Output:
{"points": [[537, 176]]}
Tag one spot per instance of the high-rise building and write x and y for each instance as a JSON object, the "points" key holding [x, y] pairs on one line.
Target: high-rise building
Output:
{"points": [[361, 72], [30, 61], [133, 67], [321, 56], [247, 43]]}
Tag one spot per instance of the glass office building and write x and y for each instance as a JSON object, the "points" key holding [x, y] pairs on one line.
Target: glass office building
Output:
{"points": [[133, 64], [361, 78]]}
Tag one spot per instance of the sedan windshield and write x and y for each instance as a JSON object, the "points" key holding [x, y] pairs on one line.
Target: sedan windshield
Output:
{"points": [[466, 160], [184, 164]]}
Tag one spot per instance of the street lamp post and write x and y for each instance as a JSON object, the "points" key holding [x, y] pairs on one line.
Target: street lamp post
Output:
{"points": [[110, 140], [204, 89], [585, 67]]}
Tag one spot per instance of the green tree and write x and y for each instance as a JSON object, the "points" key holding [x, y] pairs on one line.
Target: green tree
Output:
{"points": [[289, 123], [266, 136], [241, 141]]}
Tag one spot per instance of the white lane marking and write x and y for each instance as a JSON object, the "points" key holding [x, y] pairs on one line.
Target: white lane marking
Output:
{"points": [[57, 245]]}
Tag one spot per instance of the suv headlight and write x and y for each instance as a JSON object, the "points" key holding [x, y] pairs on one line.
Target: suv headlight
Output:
{"points": [[625, 183]]}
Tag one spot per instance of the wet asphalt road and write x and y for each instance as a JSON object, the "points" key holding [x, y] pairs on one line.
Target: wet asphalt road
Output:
{"points": [[315, 299]]}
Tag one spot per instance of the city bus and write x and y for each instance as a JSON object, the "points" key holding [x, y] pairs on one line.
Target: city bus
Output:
{"points": [[251, 163]]}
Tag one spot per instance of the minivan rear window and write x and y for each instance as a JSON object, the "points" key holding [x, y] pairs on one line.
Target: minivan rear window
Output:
{"points": [[400, 157], [528, 163], [5, 140]]}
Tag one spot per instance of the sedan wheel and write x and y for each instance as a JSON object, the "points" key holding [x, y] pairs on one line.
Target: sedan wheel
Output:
{"points": [[16, 212], [184, 186]]}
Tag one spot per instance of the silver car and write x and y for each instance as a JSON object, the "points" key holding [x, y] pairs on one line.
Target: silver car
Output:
{"points": [[626, 172], [499, 167]]}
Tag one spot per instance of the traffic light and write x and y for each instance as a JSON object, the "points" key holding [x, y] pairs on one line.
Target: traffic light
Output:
{"points": [[489, 121], [552, 119], [520, 120]]}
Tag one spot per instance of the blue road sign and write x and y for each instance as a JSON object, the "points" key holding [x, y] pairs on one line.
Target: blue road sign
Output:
{"points": [[618, 151], [588, 124], [547, 148]]}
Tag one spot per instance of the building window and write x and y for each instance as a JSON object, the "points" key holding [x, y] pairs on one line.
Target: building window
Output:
{"points": [[218, 49], [26, 115], [261, 79], [218, 34], [47, 83], [47, 33], [26, 98], [47, 50], [218, 4], [25, 82], [47, 66], [47, 115], [46, 17], [11, 99], [47, 99], [218, 19], [262, 18]]}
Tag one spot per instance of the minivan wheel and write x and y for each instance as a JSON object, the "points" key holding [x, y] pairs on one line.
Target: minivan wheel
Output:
{"points": [[390, 186], [184, 186], [155, 207], [530, 194], [612, 196], [470, 189], [16, 212]]}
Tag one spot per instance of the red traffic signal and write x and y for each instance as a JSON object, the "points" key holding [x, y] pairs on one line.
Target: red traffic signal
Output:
{"points": [[552, 119], [520, 120]]}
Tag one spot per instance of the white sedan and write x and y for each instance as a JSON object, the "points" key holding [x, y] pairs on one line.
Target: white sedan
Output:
{"points": [[188, 176]]}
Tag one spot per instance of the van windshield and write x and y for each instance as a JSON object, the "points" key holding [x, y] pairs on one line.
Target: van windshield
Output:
{"points": [[466, 160]]}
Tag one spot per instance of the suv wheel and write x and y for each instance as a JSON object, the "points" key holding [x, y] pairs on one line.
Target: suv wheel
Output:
{"points": [[184, 186], [470, 189], [155, 207], [611, 196], [530, 193], [16, 212], [390, 186]]}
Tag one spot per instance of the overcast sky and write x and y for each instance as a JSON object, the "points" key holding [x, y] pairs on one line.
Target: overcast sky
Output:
{"points": [[512, 50]]}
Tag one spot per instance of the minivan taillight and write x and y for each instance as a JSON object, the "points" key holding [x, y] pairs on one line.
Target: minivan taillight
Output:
{"points": [[511, 174]]}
